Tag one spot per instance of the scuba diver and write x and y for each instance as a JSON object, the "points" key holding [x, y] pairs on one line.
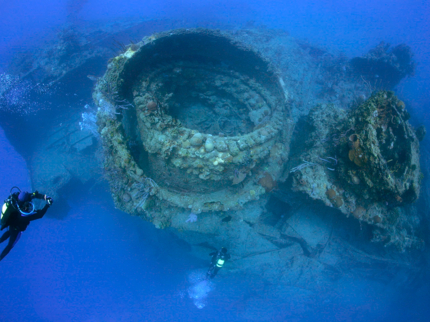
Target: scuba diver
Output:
{"points": [[217, 262], [16, 214]]}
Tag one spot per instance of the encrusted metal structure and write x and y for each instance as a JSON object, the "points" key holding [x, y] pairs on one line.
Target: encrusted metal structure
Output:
{"points": [[191, 119], [365, 163]]}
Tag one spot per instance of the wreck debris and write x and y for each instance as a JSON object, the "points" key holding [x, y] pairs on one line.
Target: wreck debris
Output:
{"points": [[210, 118], [378, 167], [384, 67]]}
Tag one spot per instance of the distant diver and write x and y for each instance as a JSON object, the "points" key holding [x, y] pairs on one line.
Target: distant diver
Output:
{"points": [[217, 262], [16, 214]]}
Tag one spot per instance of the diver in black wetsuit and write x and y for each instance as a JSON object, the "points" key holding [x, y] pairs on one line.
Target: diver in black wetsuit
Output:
{"points": [[16, 214], [217, 262]]}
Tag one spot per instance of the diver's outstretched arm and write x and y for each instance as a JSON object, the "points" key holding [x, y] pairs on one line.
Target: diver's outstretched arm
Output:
{"points": [[39, 213], [37, 195]]}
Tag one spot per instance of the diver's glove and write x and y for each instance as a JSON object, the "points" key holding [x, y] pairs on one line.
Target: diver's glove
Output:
{"points": [[49, 200]]}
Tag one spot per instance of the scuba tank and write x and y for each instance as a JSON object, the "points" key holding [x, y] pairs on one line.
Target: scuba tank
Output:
{"points": [[6, 208], [220, 262], [4, 214]]}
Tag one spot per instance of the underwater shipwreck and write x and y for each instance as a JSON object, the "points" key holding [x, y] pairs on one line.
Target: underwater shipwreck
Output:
{"points": [[251, 140], [193, 121]]}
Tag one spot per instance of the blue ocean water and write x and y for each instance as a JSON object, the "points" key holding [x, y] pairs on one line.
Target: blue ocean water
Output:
{"points": [[99, 264]]}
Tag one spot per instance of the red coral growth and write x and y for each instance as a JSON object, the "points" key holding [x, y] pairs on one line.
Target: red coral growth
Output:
{"points": [[267, 182]]}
